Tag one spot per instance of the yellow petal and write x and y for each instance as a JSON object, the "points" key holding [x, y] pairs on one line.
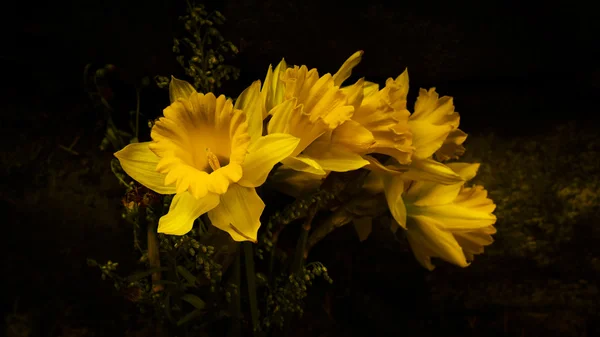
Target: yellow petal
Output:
{"points": [[282, 113], [220, 180], [263, 155], [396, 91], [402, 79], [353, 136], [431, 109], [179, 89], [456, 218], [394, 187], [475, 198], [428, 240], [370, 88], [346, 69], [431, 170], [335, 158], [288, 117], [363, 227], [274, 89], [467, 171], [452, 147], [251, 102], [427, 193], [140, 164], [183, 211], [304, 164], [427, 138], [238, 213], [355, 93], [472, 243], [391, 168]]}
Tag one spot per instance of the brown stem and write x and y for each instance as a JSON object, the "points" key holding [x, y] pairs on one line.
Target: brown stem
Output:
{"points": [[154, 257]]}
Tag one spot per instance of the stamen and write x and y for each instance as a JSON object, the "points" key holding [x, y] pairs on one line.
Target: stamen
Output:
{"points": [[213, 161]]}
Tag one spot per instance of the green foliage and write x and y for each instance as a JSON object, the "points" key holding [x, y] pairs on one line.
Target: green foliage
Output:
{"points": [[96, 83], [189, 282], [288, 294], [202, 52]]}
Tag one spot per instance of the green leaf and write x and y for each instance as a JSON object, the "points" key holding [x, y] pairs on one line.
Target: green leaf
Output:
{"points": [[189, 317], [191, 279], [194, 300]]}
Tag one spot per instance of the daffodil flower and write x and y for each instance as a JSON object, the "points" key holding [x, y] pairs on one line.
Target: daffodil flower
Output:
{"points": [[411, 139], [381, 112], [310, 108], [211, 155], [452, 222], [431, 124]]}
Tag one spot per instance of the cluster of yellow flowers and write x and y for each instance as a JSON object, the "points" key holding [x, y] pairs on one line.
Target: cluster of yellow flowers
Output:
{"points": [[212, 154]]}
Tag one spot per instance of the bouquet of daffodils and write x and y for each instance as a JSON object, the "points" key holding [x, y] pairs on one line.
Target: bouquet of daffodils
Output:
{"points": [[347, 154]]}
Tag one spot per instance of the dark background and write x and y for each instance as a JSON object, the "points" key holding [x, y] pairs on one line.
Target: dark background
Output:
{"points": [[504, 62], [512, 68]]}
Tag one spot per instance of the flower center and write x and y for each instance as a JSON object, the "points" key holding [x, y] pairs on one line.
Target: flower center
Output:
{"points": [[212, 159]]}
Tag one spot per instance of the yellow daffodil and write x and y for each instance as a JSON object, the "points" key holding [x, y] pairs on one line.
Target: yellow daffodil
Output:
{"points": [[273, 89], [452, 222], [434, 125], [411, 139], [212, 155], [381, 112], [311, 108]]}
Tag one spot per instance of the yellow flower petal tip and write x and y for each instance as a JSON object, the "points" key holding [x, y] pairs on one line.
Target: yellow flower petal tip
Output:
{"points": [[238, 213], [184, 209], [179, 89], [140, 163], [346, 69]]}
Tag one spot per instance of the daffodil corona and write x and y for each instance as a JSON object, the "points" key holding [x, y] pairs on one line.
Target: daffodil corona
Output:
{"points": [[212, 156]]}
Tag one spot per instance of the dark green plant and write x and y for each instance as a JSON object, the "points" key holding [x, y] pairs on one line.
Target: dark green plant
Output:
{"points": [[96, 83], [190, 283], [202, 52]]}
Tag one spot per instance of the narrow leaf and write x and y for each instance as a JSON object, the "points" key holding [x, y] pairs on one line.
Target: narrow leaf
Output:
{"points": [[194, 300], [189, 317], [191, 279]]}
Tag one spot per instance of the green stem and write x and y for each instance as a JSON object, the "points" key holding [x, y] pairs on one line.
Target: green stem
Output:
{"points": [[251, 279], [299, 253]]}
